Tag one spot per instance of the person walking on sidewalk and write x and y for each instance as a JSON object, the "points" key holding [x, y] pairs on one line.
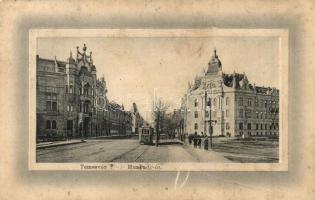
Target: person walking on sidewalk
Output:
{"points": [[206, 143], [195, 139]]}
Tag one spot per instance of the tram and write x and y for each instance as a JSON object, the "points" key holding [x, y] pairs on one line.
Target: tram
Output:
{"points": [[146, 135]]}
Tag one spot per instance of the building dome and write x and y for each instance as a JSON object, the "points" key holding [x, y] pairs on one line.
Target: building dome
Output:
{"points": [[215, 64]]}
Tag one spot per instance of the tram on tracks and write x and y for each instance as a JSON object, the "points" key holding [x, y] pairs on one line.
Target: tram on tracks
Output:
{"points": [[146, 135]]}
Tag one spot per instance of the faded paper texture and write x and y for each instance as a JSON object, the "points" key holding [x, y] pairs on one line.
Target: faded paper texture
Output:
{"points": [[18, 18]]}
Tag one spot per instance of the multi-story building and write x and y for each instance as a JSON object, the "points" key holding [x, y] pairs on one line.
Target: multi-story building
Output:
{"points": [[234, 105], [137, 119], [72, 101]]}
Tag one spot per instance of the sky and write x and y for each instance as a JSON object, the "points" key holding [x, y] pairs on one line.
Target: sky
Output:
{"points": [[139, 69]]}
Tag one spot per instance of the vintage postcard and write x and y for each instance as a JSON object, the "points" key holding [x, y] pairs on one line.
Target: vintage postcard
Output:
{"points": [[158, 99]]}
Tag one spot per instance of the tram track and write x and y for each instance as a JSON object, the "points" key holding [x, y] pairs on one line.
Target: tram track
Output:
{"points": [[130, 151], [67, 148]]}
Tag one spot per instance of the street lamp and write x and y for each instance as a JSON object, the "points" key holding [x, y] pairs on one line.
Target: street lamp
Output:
{"points": [[210, 121]]}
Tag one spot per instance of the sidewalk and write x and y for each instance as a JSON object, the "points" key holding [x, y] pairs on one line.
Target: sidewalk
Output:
{"points": [[58, 143], [169, 141], [206, 155]]}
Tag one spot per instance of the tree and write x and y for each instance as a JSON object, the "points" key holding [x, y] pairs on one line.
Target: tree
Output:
{"points": [[160, 108]]}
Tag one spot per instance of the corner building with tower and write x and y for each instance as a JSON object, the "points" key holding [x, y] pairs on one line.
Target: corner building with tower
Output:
{"points": [[71, 101], [237, 108]]}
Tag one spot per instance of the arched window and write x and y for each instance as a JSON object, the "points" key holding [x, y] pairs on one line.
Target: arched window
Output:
{"points": [[71, 89], [196, 114], [53, 124], [86, 107], [86, 89], [196, 126], [196, 102], [48, 124]]}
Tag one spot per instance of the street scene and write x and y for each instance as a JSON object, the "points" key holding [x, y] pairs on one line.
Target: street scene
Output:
{"points": [[97, 107], [129, 150]]}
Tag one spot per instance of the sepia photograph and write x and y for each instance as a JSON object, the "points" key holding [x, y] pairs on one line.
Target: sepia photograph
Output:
{"points": [[179, 97], [156, 99]]}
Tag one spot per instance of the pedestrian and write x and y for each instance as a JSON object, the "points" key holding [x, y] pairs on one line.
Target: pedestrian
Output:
{"points": [[206, 147], [195, 140], [199, 142]]}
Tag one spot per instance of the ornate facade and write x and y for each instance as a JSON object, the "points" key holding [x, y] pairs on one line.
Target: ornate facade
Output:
{"points": [[72, 101], [236, 107]]}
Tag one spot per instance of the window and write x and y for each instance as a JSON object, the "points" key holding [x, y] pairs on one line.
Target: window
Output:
{"points": [[256, 101], [261, 126], [227, 126], [227, 101], [257, 115], [257, 126], [86, 89], [249, 126], [207, 113], [214, 102], [53, 124], [48, 105], [54, 106], [248, 114], [227, 113], [240, 103], [214, 113], [86, 107], [196, 102], [70, 108], [241, 113], [51, 102], [261, 103], [71, 89], [265, 104], [196, 126], [48, 125], [196, 114], [241, 126], [69, 124], [249, 102], [266, 126]]}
